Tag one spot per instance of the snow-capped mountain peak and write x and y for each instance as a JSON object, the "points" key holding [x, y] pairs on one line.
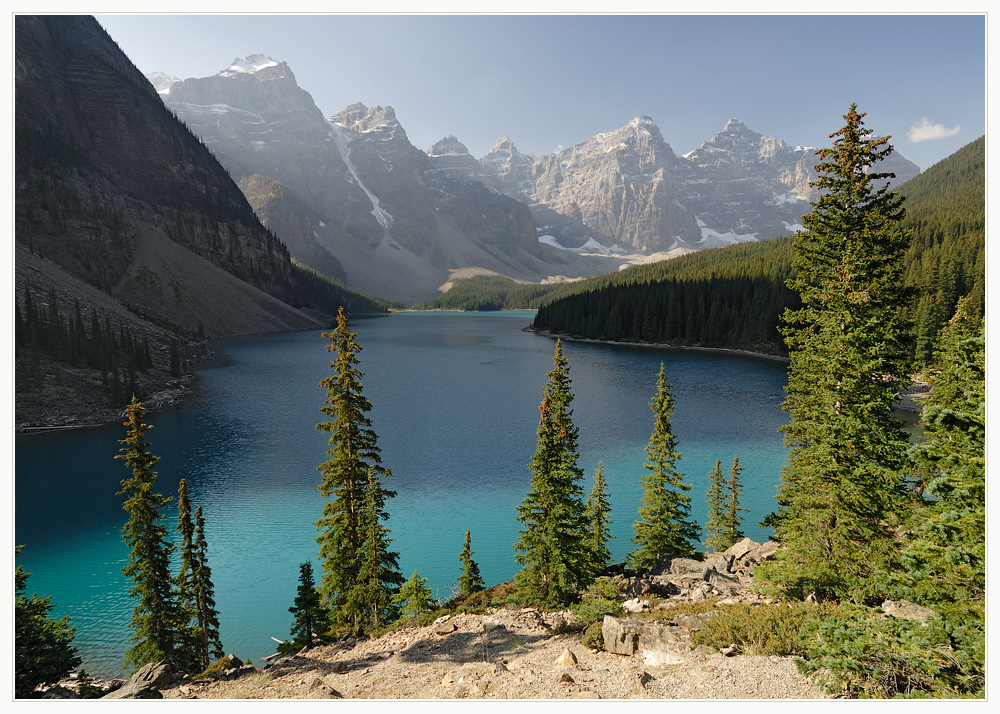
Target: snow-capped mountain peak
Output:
{"points": [[250, 64]]}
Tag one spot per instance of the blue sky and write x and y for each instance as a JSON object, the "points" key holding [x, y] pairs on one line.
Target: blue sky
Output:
{"points": [[551, 81]]}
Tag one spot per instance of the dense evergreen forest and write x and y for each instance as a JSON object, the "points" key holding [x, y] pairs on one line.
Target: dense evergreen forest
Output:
{"points": [[50, 338], [733, 296]]}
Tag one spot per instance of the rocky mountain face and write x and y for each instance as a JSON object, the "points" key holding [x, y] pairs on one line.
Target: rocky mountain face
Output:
{"points": [[357, 200], [113, 190], [626, 190], [355, 193]]}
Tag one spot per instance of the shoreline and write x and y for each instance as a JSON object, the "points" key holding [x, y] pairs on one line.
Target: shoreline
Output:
{"points": [[910, 400], [657, 345]]}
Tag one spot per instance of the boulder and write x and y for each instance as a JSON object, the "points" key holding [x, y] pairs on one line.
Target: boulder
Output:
{"points": [[445, 628], [147, 682], [620, 636], [738, 550], [660, 643], [906, 610]]}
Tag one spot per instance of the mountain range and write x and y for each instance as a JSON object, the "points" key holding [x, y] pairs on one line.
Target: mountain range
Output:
{"points": [[351, 196]]}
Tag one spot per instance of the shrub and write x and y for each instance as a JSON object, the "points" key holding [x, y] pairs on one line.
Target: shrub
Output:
{"points": [[593, 636], [759, 629], [867, 654], [591, 609]]}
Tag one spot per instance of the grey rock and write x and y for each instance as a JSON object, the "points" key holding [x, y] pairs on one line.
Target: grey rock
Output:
{"points": [[147, 681], [659, 643], [906, 610]]}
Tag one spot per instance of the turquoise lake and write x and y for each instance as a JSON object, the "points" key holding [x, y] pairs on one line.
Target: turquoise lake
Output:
{"points": [[455, 404]]}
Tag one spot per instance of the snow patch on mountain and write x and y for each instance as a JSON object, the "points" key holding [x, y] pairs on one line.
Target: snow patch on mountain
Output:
{"points": [[591, 247], [714, 239], [248, 65], [383, 217]]}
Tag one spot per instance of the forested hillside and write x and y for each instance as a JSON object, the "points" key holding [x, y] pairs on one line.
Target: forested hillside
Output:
{"points": [[732, 297]]}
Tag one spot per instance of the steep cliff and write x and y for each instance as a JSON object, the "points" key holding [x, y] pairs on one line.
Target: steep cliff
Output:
{"points": [[113, 189]]}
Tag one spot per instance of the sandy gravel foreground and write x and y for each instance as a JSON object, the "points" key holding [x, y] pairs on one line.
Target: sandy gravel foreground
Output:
{"points": [[507, 655]]}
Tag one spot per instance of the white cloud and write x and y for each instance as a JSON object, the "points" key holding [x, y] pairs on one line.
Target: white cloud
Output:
{"points": [[923, 130]]}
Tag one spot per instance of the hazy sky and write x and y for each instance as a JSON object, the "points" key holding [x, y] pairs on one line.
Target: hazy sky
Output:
{"points": [[553, 80]]}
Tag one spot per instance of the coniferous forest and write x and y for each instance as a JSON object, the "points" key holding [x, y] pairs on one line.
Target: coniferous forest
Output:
{"points": [[732, 297]]}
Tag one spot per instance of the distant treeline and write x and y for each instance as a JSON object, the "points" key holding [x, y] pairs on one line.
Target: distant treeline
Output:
{"points": [[716, 298], [734, 296]]}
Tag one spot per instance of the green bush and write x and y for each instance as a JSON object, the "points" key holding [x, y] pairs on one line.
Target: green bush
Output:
{"points": [[593, 636], [591, 609], [759, 629], [867, 654]]}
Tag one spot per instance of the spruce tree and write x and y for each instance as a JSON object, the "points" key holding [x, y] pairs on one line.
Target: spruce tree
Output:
{"points": [[665, 526], [945, 560], [843, 485], [734, 533], [187, 654], [598, 511], [414, 597], [43, 645], [378, 573], [470, 580], [311, 617], [552, 546], [352, 542], [717, 501], [209, 642], [157, 619]]}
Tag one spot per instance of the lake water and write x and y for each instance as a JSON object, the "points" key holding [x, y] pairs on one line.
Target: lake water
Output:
{"points": [[455, 404]]}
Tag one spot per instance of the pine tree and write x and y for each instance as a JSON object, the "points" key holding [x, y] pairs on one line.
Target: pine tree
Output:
{"points": [[598, 510], [843, 485], [552, 546], [378, 573], [717, 501], [945, 561], [470, 580], [664, 526], [209, 642], [310, 615], [734, 533], [350, 529], [157, 618], [414, 597], [43, 646], [187, 654]]}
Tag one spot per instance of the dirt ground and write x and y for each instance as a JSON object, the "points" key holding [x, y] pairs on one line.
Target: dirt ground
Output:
{"points": [[510, 654]]}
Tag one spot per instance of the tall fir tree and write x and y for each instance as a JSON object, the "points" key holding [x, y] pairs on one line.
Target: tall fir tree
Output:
{"points": [[207, 617], [157, 619], [716, 500], [187, 655], [733, 510], [552, 546], [310, 623], [665, 526], [470, 581], [843, 486], [378, 574], [598, 511], [354, 468]]}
